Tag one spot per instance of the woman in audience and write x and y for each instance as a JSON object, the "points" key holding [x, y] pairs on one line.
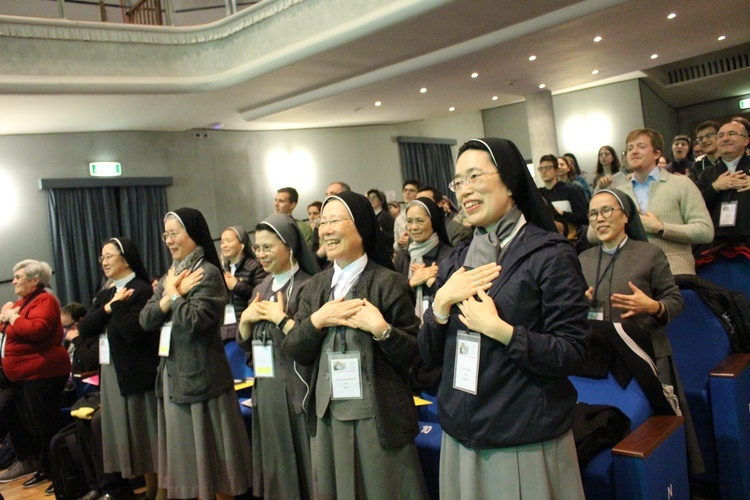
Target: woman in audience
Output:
{"points": [[607, 165], [128, 356], [566, 173], [356, 325], [203, 445], [242, 273], [577, 175], [83, 352], [630, 279], [429, 245], [281, 443], [507, 339], [35, 364], [394, 208]]}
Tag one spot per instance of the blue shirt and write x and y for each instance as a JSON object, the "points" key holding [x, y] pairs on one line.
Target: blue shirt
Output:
{"points": [[640, 189]]}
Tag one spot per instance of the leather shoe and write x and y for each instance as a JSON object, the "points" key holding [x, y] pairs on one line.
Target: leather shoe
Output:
{"points": [[50, 490], [35, 480], [91, 495]]}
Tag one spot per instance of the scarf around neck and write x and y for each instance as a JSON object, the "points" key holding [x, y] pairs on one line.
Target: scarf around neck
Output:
{"points": [[189, 261], [419, 250], [486, 246]]}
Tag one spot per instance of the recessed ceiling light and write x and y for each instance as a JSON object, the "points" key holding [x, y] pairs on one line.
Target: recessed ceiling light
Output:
{"points": [[671, 16], [722, 37], [494, 98], [532, 58], [654, 56], [597, 39], [474, 75], [378, 103], [423, 90], [595, 72], [451, 109], [541, 85]]}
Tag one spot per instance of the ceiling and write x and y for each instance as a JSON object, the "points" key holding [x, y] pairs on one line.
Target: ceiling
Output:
{"points": [[437, 50]]}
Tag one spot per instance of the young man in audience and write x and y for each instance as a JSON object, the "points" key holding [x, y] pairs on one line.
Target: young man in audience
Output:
{"points": [[569, 201], [284, 203], [401, 236], [726, 187], [672, 209], [681, 149], [705, 136], [456, 232]]}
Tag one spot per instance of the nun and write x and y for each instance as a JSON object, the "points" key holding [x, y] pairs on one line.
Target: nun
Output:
{"points": [[128, 358], [630, 279], [281, 394], [204, 450], [508, 324], [356, 327]]}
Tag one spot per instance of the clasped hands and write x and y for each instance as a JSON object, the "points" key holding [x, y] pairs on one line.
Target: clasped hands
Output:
{"points": [[360, 314], [737, 180], [7, 311], [423, 274]]}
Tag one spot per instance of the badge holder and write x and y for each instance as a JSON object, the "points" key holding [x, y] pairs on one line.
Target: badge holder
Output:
{"points": [[466, 374], [263, 360], [346, 375], [728, 214], [230, 317], [165, 338], [104, 350]]}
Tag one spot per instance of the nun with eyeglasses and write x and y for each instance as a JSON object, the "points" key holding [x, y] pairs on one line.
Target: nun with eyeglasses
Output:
{"points": [[508, 324], [204, 450], [281, 394], [355, 325], [128, 357]]}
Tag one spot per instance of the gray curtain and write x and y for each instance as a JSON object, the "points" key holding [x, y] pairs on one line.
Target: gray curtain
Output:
{"points": [[429, 162], [82, 218]]}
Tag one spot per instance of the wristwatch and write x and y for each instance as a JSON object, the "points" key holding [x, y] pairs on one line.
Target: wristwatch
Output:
{"points": [[660, 232], [175, 297]]}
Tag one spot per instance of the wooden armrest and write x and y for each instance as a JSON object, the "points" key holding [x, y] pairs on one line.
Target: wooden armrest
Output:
{"points": [[731, 366], [648, 436]]}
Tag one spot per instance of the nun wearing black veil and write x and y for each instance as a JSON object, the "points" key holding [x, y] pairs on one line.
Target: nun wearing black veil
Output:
{"points": [[203, 446], [508, 324], [356, 326], [630, 279], [281, 394], [128, 358]]}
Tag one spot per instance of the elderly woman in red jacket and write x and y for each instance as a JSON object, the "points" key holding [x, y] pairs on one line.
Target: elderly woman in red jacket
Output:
{"points": [[34, 360]]}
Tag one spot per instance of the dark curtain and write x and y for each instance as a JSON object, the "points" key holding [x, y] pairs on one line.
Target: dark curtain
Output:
{"points": [[430, 163], [81, 219]]}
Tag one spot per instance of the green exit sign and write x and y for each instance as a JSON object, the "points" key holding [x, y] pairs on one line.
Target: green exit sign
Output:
{"points": [[105, 169], [745, 104]]}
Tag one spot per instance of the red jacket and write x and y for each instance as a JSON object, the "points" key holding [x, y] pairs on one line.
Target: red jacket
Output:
{"points": [[33, 344]]}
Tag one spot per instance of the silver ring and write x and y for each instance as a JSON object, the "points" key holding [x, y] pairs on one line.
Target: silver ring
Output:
{"points": [[476, 283]]}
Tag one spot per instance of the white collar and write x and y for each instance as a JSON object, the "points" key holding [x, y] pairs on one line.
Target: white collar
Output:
{"points": [[279, 280], [343, 279], [120, 284]]}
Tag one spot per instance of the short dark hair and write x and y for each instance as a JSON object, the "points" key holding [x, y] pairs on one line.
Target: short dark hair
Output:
{"points": [[708, 124], [75, 310], [437, 195], [293, 195], [380, 195], [316, 204], [413, 182], [551, 158]]}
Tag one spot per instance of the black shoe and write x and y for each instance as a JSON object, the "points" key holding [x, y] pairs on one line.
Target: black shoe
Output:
{"points": [[36, 479], [50, 490], [91, 495]]}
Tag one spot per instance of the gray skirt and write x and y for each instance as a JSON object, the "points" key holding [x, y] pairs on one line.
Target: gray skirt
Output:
{"points": [[128, 428], [203, 447], [542, 471], [348, 462]]}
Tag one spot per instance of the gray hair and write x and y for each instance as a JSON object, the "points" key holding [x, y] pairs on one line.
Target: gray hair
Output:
{"points": [[35, 269]]}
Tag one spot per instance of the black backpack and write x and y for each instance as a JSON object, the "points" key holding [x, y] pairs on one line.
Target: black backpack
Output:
{"points": [[66, 465]]}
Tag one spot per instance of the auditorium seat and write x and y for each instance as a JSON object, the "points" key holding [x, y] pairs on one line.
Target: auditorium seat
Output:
{"points": [[651, 462], [717, 387], [237, 361], [428, 447], [729, 273]]}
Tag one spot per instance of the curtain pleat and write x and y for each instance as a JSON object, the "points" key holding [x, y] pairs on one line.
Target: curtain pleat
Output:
{"points": [[142, 209], [430, 163]]}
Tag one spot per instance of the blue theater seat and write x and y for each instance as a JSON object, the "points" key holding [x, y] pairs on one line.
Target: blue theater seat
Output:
{"points": [[649, 463], [729, 273], [428, 447], [717, 387], [237, 361]]}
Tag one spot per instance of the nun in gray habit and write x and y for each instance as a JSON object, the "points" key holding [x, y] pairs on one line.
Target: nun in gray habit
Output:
{"points": [[281, 394], [356, 327]]}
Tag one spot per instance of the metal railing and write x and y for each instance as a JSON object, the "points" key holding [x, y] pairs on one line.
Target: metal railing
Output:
{"points": [[145, 12]]}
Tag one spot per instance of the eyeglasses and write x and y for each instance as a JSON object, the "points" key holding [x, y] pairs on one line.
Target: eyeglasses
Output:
{"points": [[606, 212], [707, 137], [263, 248], [102, 258], [458, 183], [409, 190], [170, 234], [731, 134], [605, 153], [333, 221], [545, 168], [419, 221]]}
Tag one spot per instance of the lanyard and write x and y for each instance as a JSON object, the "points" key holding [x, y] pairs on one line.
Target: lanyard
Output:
{"points": [[611, 264]]}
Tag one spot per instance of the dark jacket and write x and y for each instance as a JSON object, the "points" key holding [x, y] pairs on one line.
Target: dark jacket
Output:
{"points": [[384, 364], [697, 168], [197, 364], [249, 274], [561, 192], [436, 255], [386, 222], [740, 232], [523, 395], [133, 351]]}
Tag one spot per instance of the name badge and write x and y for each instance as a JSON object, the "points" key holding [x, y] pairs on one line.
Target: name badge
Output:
{"points": [[230, 317], [103, 350], [728, 214], [263, 360], [596, 313], [346, 375], [164, 339], [466, 374]]}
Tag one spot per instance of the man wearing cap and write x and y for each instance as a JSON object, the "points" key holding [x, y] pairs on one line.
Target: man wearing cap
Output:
{"points": [[681, 148]]}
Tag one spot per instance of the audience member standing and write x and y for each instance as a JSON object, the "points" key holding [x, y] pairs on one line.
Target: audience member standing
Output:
{"points": [[681, 150], [569, 201], [400, 234], [607, 166], [706, 137], [284, 203], [379, 203]]}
